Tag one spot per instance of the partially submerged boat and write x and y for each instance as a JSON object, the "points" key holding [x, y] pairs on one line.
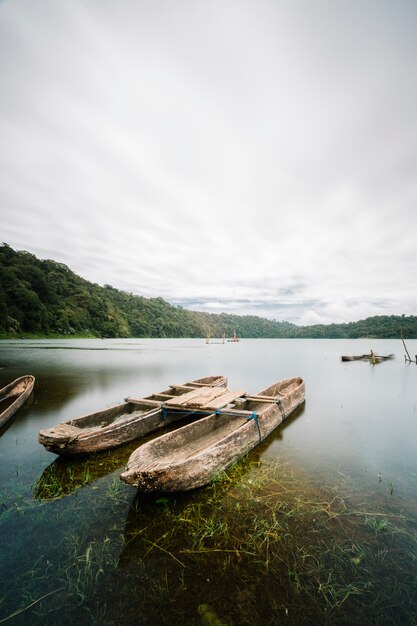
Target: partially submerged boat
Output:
{"points": [[124, 422], [374, 358], [14, 395], [191, 456]]}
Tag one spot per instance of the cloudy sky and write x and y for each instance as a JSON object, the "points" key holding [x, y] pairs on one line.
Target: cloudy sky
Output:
{"points": [[251, 156]]}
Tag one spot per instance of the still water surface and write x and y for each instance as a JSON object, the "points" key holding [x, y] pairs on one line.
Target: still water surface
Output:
{"points": [[318, 525]]}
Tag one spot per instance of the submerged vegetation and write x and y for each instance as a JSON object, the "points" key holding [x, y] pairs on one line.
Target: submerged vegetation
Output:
{"points": [[43, 298], [263, 544]]}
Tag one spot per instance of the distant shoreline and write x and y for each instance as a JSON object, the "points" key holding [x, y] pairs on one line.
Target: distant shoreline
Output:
{"points": [[28, 336]]}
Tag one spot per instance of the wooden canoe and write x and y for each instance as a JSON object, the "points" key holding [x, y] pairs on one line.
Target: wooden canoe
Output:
{"points": [[191, 456], [124, 422], [14, 395], [375, 358]]}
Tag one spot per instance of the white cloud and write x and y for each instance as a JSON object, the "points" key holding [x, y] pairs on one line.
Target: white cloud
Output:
{"points": [[249, 157]]}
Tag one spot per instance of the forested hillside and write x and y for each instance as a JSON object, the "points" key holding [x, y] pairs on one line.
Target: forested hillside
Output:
{"points": [[45, 298]]}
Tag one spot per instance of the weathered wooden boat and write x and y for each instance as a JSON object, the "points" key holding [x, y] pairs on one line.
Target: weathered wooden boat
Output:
{"points": [[14, 395], [374, 358], [132, 419], [191, 456]]}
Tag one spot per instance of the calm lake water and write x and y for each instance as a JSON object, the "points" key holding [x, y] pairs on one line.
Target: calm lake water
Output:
{"points": [[318, 525]]}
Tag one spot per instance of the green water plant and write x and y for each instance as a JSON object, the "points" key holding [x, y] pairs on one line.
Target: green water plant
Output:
{"points": [[86, 562], [266, 544], [208, 616]]}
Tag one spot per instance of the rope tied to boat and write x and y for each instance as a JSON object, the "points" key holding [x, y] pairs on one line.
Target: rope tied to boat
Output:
{"points": [[281, 406], [253, 416]]}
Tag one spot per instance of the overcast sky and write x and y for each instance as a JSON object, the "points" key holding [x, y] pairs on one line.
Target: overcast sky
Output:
{"points": [[257, 157]]}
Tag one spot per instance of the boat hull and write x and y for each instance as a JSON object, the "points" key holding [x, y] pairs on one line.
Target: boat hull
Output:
{"points": [[20, 389], [374, 358], [193, 455], [112, 427]]}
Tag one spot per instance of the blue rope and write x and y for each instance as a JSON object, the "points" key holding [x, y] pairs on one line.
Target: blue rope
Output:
{"points": [[281, 406], [253, 416]]}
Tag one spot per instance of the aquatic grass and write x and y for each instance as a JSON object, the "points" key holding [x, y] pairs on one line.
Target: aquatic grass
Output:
{"points": [[208, 616], [78, 563], [97, 614], [277, 534], [66, 475], [212, 532], [268, 544], [158, 546], [51, 485], [25, 608], [115, 488], [165, 588], [377, 525], [85, 563]]}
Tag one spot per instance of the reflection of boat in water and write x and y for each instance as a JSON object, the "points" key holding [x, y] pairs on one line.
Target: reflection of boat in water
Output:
{"points": [[66, 475], [191, 456], [124, 422], [373, 358], [14, 395], [150, 515]]}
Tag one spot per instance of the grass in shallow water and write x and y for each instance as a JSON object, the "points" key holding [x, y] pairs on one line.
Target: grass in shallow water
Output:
{"points": [[264, 544]]}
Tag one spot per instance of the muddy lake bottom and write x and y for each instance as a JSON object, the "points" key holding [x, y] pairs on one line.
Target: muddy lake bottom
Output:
{"points": [[317, 525]]}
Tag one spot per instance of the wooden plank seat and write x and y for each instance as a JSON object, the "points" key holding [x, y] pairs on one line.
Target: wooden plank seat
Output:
{"points": [[221, 401], [208, 398], [260, 398], [196, 397]]}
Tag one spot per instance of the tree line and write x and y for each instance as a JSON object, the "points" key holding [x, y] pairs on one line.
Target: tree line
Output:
{"points": [[45, 298]]}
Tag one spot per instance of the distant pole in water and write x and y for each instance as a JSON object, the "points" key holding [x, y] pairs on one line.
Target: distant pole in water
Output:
{"points": [[405, 348]]}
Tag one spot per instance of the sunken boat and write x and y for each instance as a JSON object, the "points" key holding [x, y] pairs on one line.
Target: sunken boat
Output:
{"points": [[124, 422], [191, 456]]}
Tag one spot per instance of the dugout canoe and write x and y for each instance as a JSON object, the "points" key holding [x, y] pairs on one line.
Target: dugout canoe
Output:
{"points": [[191, 456], [116, 425], [14, 395], [374, 358]]}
